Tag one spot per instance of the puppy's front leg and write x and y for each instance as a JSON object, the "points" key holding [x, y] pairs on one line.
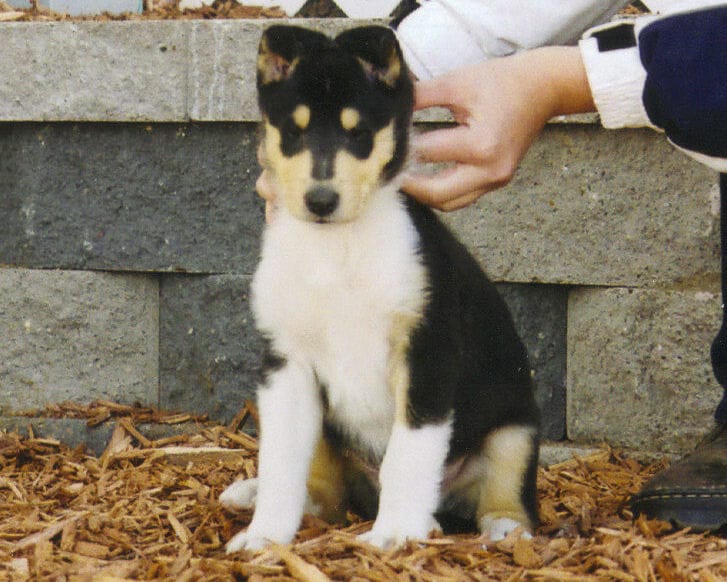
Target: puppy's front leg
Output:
{"points": [[290, 425], [410, 477]]}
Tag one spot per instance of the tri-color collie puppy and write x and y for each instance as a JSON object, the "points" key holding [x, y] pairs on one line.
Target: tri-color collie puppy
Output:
{"points": [[395, 383]]}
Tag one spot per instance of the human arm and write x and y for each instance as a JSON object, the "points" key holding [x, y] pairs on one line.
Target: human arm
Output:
{"points": [[674, 79], [500, 107]]}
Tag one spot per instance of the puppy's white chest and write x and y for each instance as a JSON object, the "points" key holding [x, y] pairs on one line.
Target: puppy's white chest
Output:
{"points": [[327, 297]]}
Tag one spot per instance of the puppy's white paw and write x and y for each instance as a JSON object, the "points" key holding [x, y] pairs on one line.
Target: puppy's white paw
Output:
{"points": [[240, 495], [246, 540], [497, 529], [387, 537], [382, 539]]}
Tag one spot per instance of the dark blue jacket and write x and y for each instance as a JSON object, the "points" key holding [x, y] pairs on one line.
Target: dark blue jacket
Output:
{"points": [[685, 94]]}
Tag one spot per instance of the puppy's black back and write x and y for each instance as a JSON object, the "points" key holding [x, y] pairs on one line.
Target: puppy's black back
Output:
{"points": [[466, 355]]}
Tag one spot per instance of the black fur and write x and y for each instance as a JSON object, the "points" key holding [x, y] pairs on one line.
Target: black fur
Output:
{"points": [[466, 355]]}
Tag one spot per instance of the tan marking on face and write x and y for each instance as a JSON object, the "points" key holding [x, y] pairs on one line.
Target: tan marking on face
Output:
{"points": [[355, 180], [291, 175], [349, 118], [301, 116]]}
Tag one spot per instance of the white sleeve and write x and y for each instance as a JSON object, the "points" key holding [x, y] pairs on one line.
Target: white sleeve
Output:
{"points": [[616, 77], [442, 35]]}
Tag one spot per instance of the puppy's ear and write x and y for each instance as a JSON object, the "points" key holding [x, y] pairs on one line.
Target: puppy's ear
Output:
{"points": [[281, 48], [378, 51]]}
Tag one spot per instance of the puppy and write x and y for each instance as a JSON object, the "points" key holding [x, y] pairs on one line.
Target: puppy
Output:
{"points": [[395, 383]]}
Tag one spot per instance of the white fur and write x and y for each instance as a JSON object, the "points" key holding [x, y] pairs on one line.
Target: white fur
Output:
{"points": [[240, 495], [498, 528], [411, 475], [327, 294], [290, 417]]}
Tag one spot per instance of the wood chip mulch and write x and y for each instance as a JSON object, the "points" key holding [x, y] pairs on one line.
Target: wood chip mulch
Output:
{"points": [[154, 10], [147, 510]]}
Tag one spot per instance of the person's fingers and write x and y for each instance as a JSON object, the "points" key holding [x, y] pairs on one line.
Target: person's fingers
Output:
{"points": [[445, 188], [266, 190], [444, 92], [446, 145], [428, 94], [269, 212], [264, 186], [435, 92], [461, 202]]}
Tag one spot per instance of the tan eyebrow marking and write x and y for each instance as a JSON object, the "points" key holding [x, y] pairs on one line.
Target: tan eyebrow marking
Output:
{"points": [[349, 118], [301, 116]]}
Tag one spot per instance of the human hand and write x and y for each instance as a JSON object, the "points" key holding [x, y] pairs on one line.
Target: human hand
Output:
{"points": [[265, 188], [500, 106]]}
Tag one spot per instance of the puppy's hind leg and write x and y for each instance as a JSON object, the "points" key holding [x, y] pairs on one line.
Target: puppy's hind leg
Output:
{"points": [[508, 496], [326, 485]]}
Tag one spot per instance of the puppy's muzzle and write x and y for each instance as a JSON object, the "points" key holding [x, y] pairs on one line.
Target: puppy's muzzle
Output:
{"points": [[321, 201]]}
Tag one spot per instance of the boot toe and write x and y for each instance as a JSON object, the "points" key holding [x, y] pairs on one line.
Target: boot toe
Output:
{"points": [[692, 492]]}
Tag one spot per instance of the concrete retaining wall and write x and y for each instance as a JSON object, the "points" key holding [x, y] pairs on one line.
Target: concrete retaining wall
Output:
{"points": [[129, 230]]}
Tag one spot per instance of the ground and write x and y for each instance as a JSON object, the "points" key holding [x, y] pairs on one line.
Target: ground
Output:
{"points": [[147, 510]]}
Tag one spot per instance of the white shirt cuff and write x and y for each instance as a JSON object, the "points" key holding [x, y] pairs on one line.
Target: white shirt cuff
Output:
{"points": [[617, 79]]}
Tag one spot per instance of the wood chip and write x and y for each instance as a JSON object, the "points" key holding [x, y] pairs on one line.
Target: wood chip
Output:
{"points": [[524, 554], [182, 532], [46, 534], [92, 550], [151, 512], [299, 568]]}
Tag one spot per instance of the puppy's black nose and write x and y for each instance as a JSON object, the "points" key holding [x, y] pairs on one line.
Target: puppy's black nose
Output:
{"points": [[321, 201]]}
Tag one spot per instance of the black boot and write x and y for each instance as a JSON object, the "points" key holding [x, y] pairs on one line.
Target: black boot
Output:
{"points": [[692, 492]]}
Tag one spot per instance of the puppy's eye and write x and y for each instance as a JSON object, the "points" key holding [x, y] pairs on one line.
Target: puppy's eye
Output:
{"points": [[360, 134], [292, 131]]}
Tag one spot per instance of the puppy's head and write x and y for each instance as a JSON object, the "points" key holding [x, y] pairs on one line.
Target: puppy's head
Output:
{"points": [[336, 114]]}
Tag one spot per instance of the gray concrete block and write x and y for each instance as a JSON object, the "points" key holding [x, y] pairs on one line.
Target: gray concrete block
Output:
{"points": [[129, 197], [223, 65], [596, 207], [77, 336], [94, 71], [222, 70], [152, 70], [555, 453], [639, 372], [210, 353], [540, 315]]}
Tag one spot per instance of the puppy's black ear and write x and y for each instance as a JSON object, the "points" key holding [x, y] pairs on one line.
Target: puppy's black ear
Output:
{"points": [[378, 51], [281, 48]]}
